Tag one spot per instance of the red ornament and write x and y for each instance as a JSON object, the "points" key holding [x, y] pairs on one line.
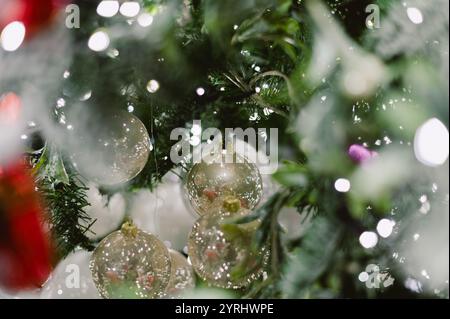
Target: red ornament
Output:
{"points": [[211, 255], [210, 194], [25, 250], [113, 276], [34, 14], [149, 281], [243, 203], [10, 108]]}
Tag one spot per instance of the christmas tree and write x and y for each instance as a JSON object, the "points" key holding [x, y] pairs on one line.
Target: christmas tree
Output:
{"points": [[234, 149]]}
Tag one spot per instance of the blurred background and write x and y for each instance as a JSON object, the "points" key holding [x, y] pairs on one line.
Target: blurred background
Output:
{"points": [[90, 92]]}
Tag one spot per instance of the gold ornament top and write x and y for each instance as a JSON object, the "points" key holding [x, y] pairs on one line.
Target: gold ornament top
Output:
{"points": [[231, 204], [129, 229]]}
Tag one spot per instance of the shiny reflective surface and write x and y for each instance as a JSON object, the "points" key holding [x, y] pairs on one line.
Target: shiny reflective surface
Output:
{"points": [[115, 153], [225, 259], [209, 181], [182, 277], [131, 266]]}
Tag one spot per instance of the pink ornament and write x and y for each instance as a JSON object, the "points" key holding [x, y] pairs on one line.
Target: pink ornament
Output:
{"points": [[360, 154]]}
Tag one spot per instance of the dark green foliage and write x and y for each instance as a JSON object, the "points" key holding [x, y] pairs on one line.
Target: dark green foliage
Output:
{"points": [[66, 203], [65, 199]]}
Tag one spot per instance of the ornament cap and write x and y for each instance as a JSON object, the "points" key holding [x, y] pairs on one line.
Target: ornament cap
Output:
{"points": [[232, 204], [129, 229]]}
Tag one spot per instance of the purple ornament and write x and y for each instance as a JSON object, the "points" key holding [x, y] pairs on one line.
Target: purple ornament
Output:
{"points": [[359, 154]]}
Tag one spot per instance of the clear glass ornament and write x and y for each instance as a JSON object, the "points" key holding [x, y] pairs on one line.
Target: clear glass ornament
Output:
{"points": [[111, 152], [182, 277], [224, 258], [208, 181], [130, 263]]}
